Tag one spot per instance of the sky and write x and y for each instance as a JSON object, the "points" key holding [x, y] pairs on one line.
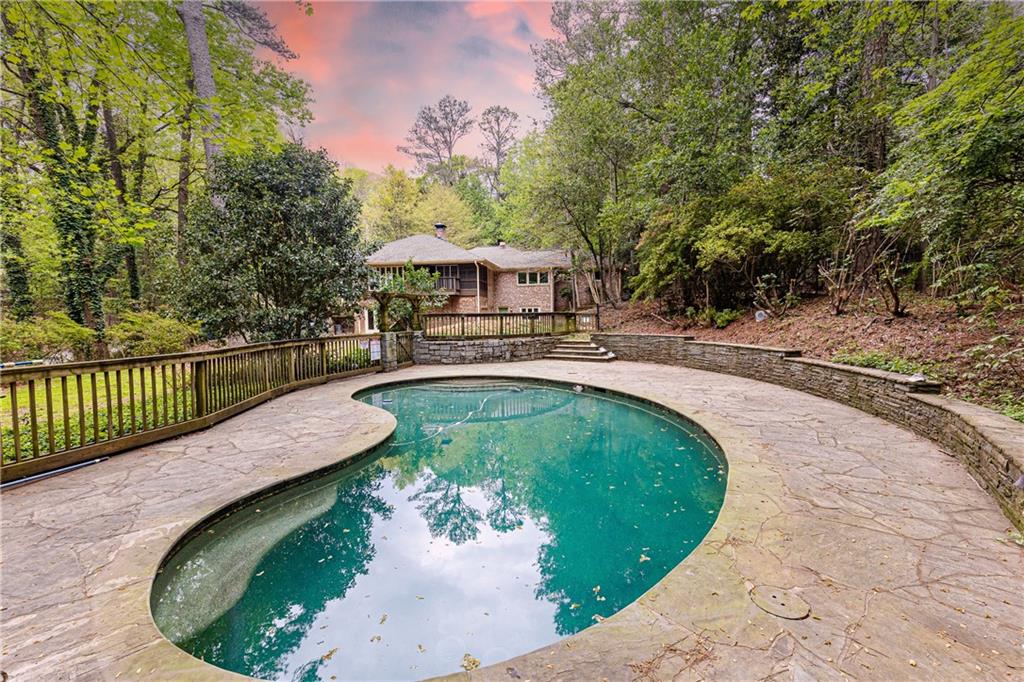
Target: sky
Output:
{"points": [[372, 65]]}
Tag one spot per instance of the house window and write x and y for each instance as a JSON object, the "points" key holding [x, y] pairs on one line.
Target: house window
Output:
{"points": [[503, 309], [531, 278], [529, 310]]}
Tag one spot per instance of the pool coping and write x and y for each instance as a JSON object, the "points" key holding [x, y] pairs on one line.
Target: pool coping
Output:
{"points": [[351, 460]]}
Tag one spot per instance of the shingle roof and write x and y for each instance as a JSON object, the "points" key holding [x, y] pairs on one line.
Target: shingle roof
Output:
{"points": [[510, 258], [421, 249]]}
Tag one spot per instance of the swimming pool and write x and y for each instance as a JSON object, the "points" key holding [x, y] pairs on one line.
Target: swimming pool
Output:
{"points": [[499, 517]]}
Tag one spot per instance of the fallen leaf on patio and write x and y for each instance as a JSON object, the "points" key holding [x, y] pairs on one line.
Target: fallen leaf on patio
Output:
{"points": [[327, 656], [375, 638], [383, 618], [470, 663], [644, 557], [420, 647]]}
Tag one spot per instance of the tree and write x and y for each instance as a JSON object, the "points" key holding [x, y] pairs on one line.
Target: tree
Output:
{"points": [[441, 204], [399, 298], [498, 125], [191, 13], [433, 136], [252, 22], [281, 254], [389, 212], [108, 86]]}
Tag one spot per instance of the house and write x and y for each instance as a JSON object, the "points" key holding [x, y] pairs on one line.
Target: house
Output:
{"points": [[486, 279]]}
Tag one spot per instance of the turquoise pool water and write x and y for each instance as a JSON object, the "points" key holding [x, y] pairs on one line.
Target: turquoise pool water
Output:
{"points": [[500, 517]]}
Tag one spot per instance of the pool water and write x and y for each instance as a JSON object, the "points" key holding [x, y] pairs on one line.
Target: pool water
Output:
{"points": [[500, 517]]}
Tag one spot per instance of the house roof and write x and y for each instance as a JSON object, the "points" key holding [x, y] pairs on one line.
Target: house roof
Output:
{"points": [[510, 258], [424, 249], [421, 249]]}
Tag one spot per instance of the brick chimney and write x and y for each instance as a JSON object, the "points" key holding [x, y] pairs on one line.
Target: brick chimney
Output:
{"points": [[440, 231]]}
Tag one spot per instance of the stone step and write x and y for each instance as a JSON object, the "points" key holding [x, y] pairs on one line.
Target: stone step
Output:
{"points": [[580, 357], [575, 342], [580, 351], [601, 355]]}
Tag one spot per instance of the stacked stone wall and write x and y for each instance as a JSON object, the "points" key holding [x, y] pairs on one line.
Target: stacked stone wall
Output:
{"points": [[470, 351]]}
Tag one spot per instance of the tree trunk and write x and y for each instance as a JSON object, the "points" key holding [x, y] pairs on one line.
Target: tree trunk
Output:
{"points": [[191, 13], [184, 173], [16, 275], [117, 174]]}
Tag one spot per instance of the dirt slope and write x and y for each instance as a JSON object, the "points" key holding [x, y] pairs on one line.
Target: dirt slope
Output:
{"points": [[965, 352]]}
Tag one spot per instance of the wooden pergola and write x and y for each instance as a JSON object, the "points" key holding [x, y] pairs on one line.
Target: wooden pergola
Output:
{"points": [[384, 300]]}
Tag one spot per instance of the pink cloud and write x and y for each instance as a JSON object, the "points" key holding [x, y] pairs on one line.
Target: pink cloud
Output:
{"points": [[373, 65]]}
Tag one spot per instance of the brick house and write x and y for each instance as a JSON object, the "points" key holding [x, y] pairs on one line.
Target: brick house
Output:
{"points": [[486, 279]]}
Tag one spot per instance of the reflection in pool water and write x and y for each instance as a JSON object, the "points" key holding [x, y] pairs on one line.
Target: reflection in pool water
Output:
{"points": [[499, 517]]}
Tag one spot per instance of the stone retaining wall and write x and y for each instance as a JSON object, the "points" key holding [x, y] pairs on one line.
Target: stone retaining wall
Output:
{"points": [[991, 445], [469, 351]]}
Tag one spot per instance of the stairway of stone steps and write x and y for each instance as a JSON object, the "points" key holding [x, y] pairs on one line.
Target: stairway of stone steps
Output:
{"points": [[580, 350]]}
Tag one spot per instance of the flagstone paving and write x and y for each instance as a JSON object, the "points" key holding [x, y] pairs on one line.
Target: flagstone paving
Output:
{"points": [[905, 564]]}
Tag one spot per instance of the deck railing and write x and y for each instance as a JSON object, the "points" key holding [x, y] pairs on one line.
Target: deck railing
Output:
{"points": [[52, 416], [496, 325]]}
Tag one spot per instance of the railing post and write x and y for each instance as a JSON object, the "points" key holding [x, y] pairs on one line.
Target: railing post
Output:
{"points": [[292, 359], [265, 357], [533, 325], [199, 370], [597, 318], [462, 320], [323, 358], [501, 325]]}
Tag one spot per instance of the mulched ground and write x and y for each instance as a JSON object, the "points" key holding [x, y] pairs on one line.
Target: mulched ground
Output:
{"points": [[933, 334]]}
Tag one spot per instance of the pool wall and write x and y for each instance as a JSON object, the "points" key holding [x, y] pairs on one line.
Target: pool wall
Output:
{"points": [[988, 443]]}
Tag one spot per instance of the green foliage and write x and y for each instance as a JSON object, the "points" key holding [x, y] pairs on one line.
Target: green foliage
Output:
{"points": [[48, 335], [147, 333], [709, 317], [884, 361], [358, 358], [397, 311], [389, 212], [956, 183], [96, 129], [1012, 406], [702, 147], [442, 204], [273, 246]]}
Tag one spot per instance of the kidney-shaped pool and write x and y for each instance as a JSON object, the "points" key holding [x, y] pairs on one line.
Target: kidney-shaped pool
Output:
{"points": [[499, 517]]}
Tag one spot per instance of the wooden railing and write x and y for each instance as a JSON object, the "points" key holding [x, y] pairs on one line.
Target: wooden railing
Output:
{"points": [[494, 325], [52, 416]]}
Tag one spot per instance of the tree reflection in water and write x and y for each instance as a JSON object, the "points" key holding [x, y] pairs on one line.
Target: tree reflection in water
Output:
{"points": [[496, 519]]}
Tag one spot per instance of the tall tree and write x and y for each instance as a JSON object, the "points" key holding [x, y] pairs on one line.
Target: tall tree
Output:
{"points": [[194, 20], [433, 136], [282, 253], [390, 208], [498, 125]]}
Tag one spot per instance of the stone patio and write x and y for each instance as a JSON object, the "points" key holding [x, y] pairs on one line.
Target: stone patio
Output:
{"points": [[905, 563]]}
